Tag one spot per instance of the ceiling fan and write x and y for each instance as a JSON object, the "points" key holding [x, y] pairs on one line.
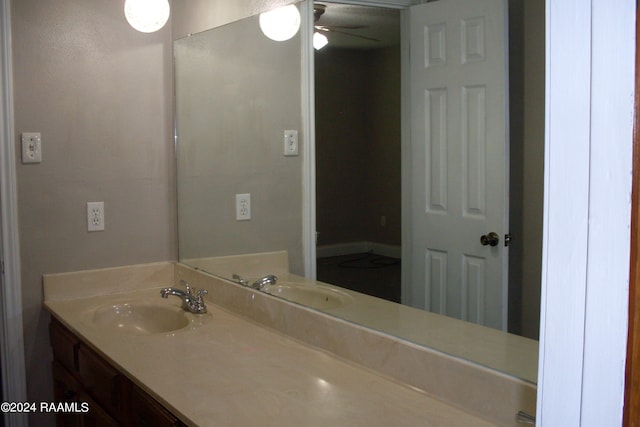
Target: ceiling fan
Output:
{"points": [[318, 11]]}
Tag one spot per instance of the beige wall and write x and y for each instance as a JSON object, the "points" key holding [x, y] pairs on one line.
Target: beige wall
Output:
{"points": [[236, 93], [527, 98], [194, 16], [101, 95], [384, 175], [358, 145], [533, 166], [342, 136]]}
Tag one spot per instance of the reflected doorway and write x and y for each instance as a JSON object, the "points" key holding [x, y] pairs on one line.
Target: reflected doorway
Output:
{"points": [[358, 149], [526, 158]]}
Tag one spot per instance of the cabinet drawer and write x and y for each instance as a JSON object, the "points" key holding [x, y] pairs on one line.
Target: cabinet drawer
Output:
{"points": [[144, 411], [81, 375], [102, 381], [64, 345], [68, 390]]}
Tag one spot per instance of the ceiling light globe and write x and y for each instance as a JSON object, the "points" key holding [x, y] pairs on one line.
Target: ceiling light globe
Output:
{"points": [[147, 16], [280, 24], [319, 41]]}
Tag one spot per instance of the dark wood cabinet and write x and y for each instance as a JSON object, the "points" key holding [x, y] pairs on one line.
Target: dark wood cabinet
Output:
{"points": [[68, 390], [83, 377], [101, 381], [64, 345], [147, 412]]}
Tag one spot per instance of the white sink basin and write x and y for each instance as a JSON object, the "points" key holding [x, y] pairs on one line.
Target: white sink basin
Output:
{"points": [[315, 296], [140, 318]]}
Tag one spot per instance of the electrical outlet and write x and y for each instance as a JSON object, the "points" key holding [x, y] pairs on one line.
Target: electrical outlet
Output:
{"points": [[290, 142], [243, 207], [95, 216]]}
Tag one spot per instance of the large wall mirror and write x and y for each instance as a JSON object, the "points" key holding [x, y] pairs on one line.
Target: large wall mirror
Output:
{"points": [[238, 91]]}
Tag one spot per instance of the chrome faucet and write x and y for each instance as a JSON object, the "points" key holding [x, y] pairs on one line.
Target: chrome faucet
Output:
{"points": [[264, 281], [190, 301], [258, 284], [240, 279]]}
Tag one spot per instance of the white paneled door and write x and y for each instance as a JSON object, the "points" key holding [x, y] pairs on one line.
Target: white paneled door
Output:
{"points": [[459, 166]]}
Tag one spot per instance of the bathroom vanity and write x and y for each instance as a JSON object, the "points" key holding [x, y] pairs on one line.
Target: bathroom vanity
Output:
{"points": [[81, 375], [247, 361]]}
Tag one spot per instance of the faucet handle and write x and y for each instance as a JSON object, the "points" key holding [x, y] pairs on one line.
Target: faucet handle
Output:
{"points": [[186, 285], [240, 279], [200, 293], [197, 305]]}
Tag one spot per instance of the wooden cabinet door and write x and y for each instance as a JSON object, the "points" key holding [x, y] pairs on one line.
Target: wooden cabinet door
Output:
{"points": [[101, 380], [144, 411], [68, 390]]}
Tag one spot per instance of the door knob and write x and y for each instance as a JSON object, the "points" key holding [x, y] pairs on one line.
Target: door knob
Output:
{"points": [[491, 239]]}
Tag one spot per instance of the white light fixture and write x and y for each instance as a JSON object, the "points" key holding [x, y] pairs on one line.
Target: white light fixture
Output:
{"points": [[147, 16], [280, 24], [319, 40]]}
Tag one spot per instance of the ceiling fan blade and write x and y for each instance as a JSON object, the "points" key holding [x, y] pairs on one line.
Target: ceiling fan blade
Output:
{"points": [[331, 30], [344, 27], [318, 11]]}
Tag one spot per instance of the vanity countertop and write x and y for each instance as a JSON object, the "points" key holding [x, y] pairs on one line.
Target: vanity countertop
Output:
{"points": [[225, 370], [508, 353]]}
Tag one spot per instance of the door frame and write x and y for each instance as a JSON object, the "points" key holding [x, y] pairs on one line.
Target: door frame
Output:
{"points": [[309, 232], [632, 377], [11, 331], [588, 152]]}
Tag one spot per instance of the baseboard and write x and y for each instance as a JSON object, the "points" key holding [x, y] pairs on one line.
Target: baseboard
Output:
{"points": [[349, 248]]}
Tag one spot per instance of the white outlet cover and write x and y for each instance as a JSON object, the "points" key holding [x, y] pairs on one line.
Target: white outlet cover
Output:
{"points": [[95, 216], [243, 207]]}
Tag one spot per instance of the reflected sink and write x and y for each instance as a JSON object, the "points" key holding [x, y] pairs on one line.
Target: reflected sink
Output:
{"points": [[315, 296], [140, 318]]}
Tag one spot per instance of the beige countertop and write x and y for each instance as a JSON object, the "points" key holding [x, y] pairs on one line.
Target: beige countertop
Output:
{"points": [[504, 352], [224, 370]]}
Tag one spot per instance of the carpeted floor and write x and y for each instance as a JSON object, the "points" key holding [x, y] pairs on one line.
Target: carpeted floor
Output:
{"points": [[368, 273]]}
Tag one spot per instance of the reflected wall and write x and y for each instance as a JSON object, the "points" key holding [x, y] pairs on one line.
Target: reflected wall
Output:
{"points": [[230, 138]]}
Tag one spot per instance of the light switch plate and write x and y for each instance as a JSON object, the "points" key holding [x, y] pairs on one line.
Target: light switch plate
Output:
{"points": [[31, 147], [290, 142]]}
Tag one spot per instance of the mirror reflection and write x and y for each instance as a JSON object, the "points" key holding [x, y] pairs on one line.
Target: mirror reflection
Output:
{"points": [[236, 91], [358, 149], [236, 94]]}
